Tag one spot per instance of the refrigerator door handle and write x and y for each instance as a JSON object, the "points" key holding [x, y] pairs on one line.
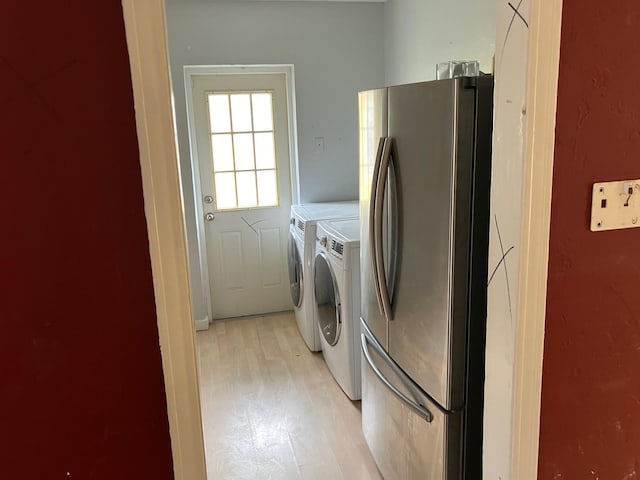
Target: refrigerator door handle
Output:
{"points": [[419, 409], [381, 184], [372, 219], [393, 227]]}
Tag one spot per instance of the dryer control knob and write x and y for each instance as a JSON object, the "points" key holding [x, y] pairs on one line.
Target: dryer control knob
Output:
{"points": [[323, 241]]}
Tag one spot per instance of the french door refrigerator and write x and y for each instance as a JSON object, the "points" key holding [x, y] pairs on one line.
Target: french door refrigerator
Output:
{"points": [[425, 167]]}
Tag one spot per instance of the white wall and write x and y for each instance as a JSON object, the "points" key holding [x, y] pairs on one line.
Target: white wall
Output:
{"points": [[336, 49], [421, 33]]}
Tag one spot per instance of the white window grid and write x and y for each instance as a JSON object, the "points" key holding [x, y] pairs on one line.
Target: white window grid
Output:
{"points": [[232, 132]]}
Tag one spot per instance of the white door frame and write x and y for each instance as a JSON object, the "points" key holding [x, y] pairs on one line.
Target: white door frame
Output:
{"points": [[197, 70], [147, 44], [542, 89], [148, 55]]}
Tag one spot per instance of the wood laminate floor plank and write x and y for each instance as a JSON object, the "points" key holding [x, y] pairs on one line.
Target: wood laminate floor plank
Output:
{"points": [[272, 410]]}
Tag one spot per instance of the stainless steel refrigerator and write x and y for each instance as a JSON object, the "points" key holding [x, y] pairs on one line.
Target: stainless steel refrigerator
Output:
{"points": [[425, 167]]}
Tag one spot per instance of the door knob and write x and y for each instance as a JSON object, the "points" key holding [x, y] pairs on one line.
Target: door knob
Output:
{"points": [[209, 217]]}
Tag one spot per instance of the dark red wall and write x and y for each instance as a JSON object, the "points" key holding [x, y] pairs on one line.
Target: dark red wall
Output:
{"points": [[81, 387], [590, 420]]}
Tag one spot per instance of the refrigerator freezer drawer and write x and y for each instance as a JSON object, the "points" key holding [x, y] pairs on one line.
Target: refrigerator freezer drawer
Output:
{"points": [[406, 443]]}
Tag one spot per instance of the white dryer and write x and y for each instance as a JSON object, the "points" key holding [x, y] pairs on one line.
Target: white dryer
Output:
{"points": [[302, 246], [337, 295]]}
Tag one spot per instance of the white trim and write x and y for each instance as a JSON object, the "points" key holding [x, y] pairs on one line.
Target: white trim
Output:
{"points": [[542, 88], [202, 324], [191, 71], [147, 44], [197, 198]]}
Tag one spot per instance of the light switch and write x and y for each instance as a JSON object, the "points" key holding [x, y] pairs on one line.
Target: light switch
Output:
{"points": [[615, 205]]}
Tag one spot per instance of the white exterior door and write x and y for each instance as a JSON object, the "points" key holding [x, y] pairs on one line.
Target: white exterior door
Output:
{"points": [[242, 138]]}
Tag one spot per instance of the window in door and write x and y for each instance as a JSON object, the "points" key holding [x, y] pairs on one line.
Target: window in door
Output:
{"points": [[242, 139]]}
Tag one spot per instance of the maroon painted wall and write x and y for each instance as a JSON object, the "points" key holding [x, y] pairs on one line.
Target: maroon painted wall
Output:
{"points": [[81, 386], [590, 419]]}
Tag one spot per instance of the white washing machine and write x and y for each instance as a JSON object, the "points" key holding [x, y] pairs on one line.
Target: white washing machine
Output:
{"points": [[337, 294], [302, 246]]}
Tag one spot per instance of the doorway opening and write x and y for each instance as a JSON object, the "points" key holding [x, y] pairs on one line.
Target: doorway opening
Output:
{"points": [[145, 24]]}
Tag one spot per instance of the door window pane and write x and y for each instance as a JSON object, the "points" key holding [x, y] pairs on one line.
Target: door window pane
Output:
{"points": [[222, 153], [267, 188], [262, 113], [225, 191], [219, 120], [243, 149], [246, 182], [265, 151], [241, 112]]}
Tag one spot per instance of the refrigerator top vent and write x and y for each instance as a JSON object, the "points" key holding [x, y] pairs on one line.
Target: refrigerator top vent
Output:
{"points": [[301, 225], [337, 247]]}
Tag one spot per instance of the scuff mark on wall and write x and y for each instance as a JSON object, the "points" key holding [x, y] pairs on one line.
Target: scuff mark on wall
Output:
{"points": [[503, 262], [516, 14], [516, 11], [29, 85]]}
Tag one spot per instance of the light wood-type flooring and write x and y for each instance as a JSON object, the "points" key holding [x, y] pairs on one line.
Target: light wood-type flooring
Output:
{"points": [[272, 410]]}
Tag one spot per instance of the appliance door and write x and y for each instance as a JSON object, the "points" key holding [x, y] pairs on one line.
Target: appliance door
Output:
{"points": [[327, 299], [431, 126], [296, 279], [373, 134], [409, 436]]}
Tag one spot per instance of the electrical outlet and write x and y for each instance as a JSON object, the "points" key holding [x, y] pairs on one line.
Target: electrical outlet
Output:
{"points": [[615, 205]]}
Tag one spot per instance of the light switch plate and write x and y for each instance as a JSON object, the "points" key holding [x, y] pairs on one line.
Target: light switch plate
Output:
{"points": [[615, 205]]}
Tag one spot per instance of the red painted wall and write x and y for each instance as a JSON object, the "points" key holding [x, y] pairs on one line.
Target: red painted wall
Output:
{"points": [[81, 387], [590, 419]]}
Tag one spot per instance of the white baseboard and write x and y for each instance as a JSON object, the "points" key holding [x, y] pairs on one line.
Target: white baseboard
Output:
{"points": [[202, 324]]}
